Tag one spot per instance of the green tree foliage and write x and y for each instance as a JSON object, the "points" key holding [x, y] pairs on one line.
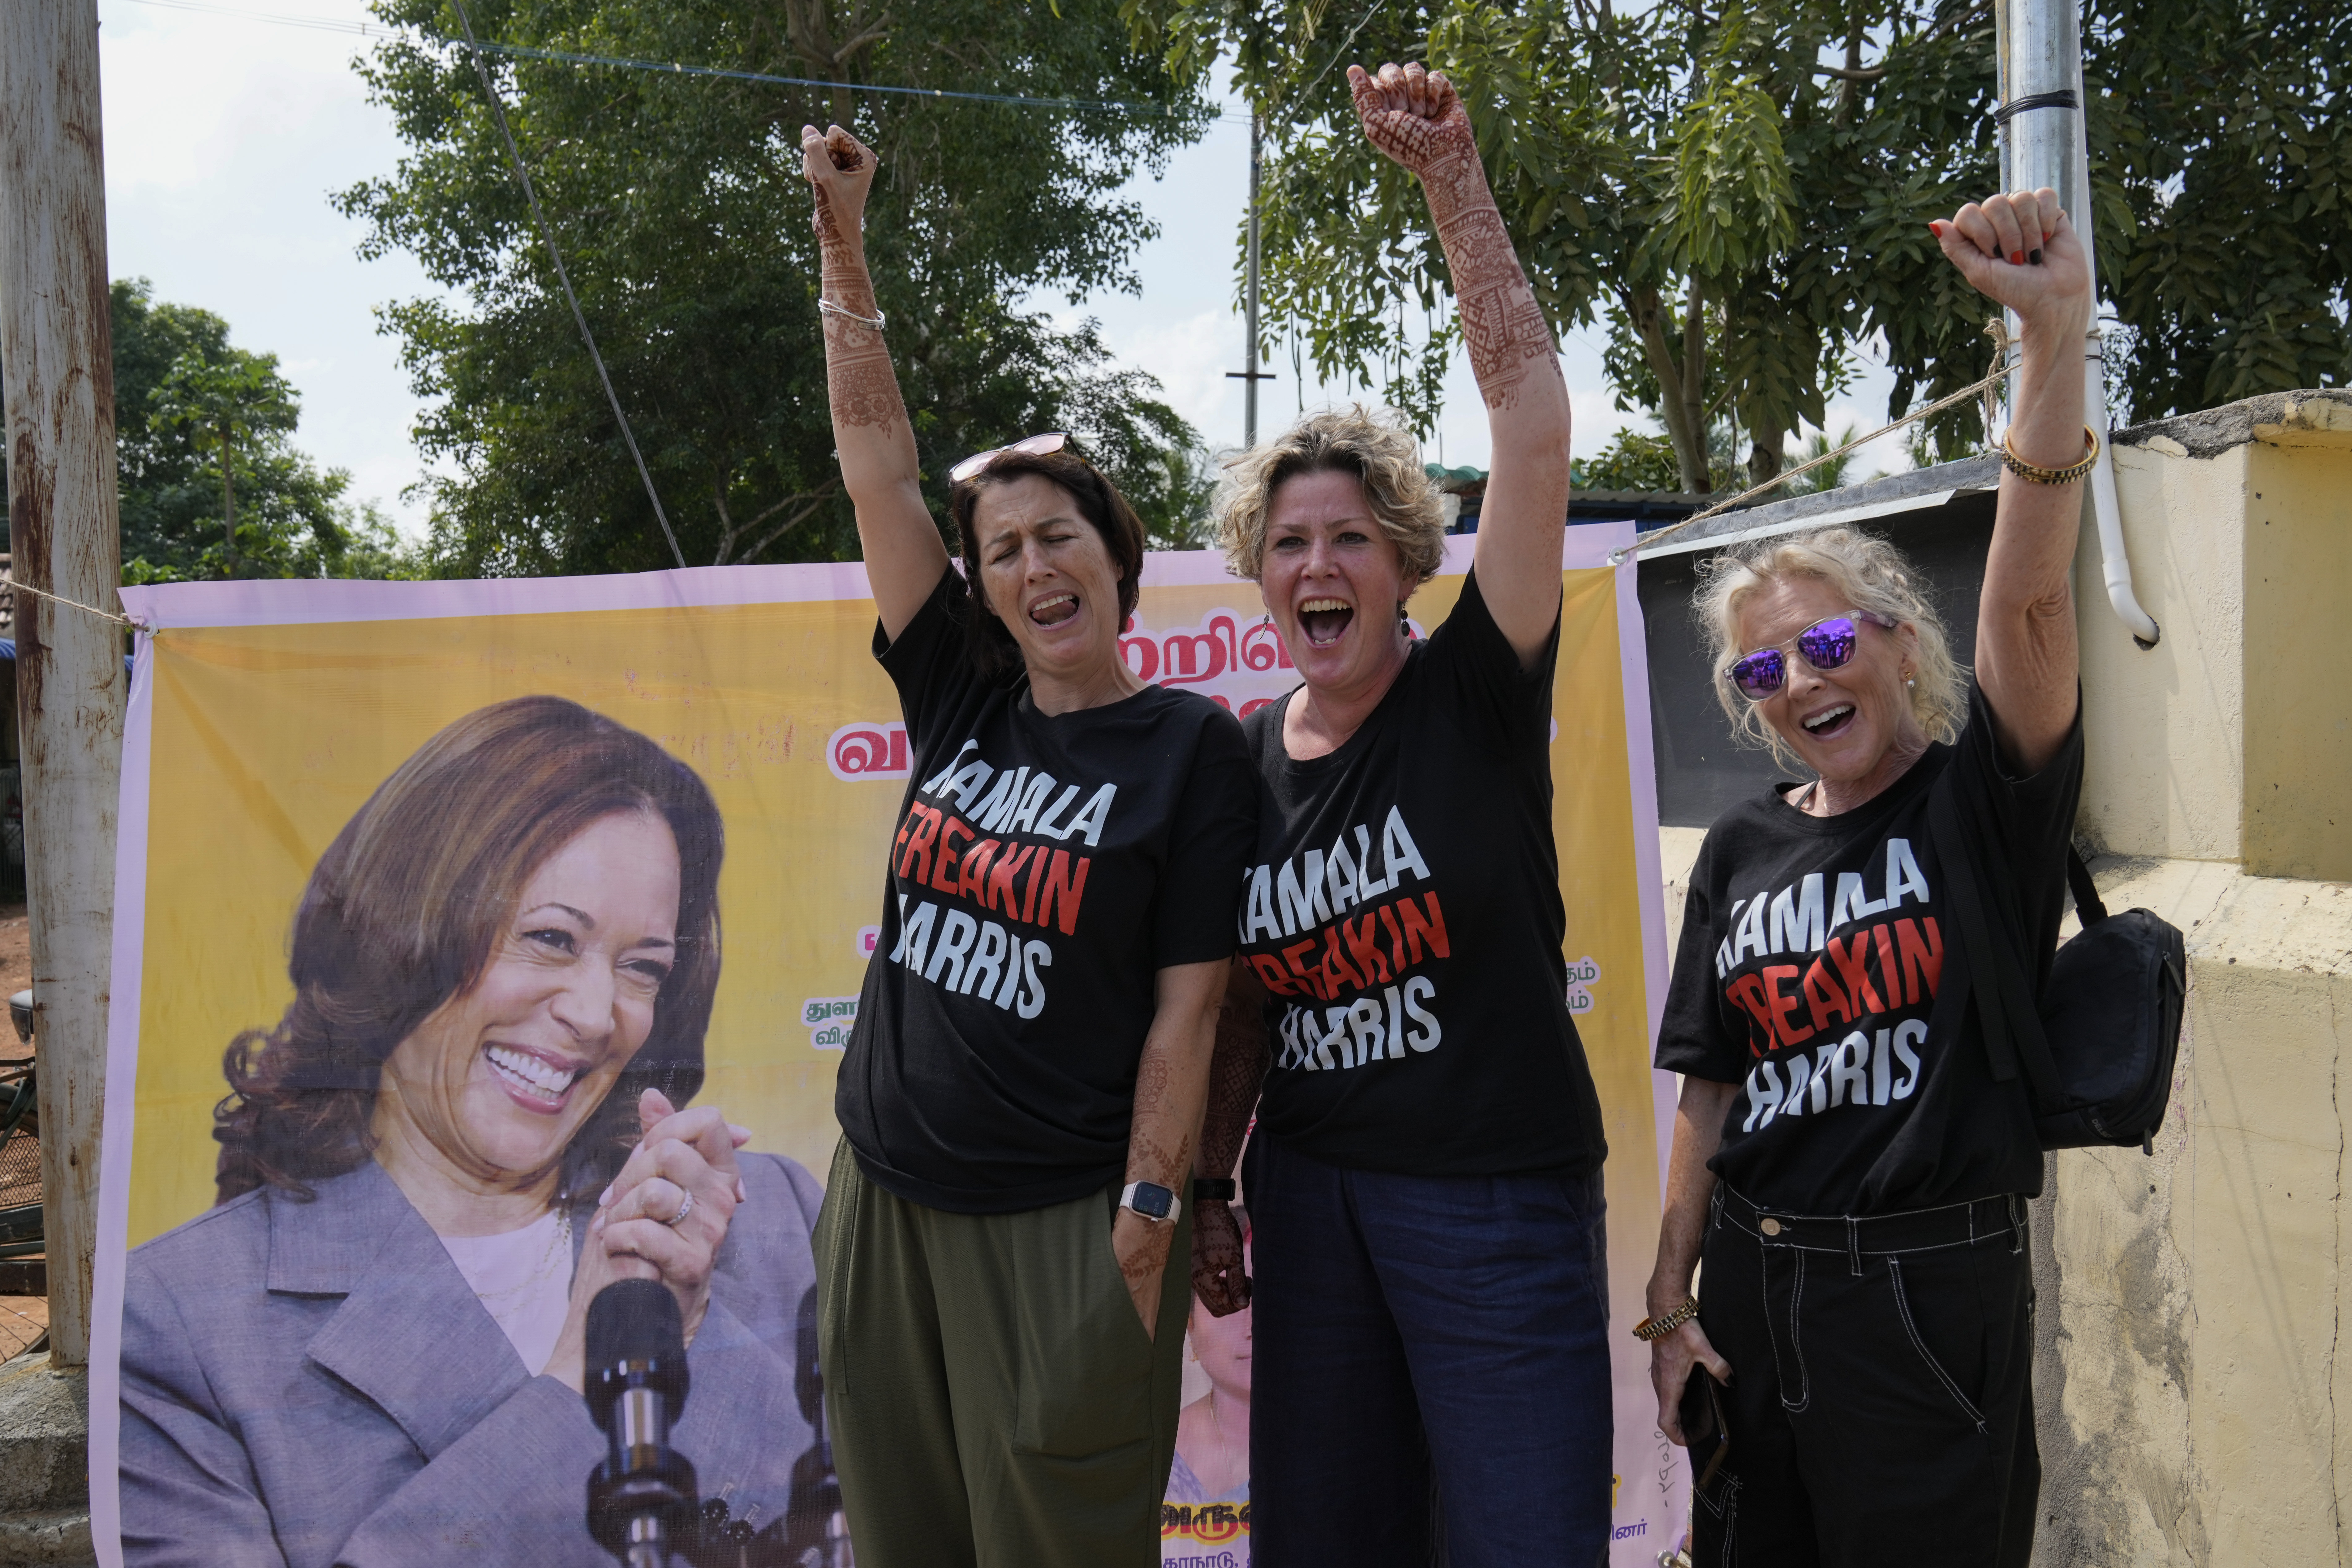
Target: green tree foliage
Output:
{"points": [[1741, 194], [1713, 187], [1630, 461], [685, 222], [2223, 127], [203, 434], [1829, 476]]}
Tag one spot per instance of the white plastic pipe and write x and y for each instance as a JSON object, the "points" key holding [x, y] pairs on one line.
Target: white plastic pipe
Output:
{"points": [[2043, 143]]}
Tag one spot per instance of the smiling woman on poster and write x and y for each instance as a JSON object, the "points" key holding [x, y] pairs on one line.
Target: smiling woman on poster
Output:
{"points": [[1022, 1092], [1425, 1179], [371, 1349]]}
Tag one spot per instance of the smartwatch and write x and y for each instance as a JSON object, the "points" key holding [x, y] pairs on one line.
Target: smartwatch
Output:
{"points": [[1150, 1199]]}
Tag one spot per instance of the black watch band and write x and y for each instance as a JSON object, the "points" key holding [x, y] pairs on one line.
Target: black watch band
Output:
{"points": [[1213, 1189]]}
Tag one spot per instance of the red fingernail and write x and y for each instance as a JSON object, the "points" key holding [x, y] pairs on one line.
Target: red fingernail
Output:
{"points": [[2017, 258], [1937, 230]]}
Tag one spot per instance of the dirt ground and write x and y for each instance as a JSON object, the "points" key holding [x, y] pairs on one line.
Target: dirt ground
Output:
{"points": [[16, 957]]}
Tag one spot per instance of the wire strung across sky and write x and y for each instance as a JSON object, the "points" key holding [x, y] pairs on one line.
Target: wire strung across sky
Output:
{"points": [[566, 57]]}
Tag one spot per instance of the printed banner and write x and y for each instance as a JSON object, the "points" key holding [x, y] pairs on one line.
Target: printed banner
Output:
{"points": [[299, 750]]}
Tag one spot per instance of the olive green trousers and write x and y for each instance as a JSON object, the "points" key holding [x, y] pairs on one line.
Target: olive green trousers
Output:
{"points": [[992, 1399]]}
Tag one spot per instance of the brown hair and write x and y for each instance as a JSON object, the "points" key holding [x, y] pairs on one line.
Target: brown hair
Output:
{"points": [[406, 906], [1097, 500]]}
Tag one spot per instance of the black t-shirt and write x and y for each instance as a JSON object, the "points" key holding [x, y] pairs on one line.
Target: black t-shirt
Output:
{"points": [[1404, 913], [1045, 868], [1813, 952]]}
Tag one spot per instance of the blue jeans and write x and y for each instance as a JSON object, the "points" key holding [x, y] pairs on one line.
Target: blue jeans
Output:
{"points": [[1429, 1358]]}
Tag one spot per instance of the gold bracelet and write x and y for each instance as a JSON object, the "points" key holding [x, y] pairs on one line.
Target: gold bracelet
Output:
{"points": [[2035, 473], [1650, 1330]]}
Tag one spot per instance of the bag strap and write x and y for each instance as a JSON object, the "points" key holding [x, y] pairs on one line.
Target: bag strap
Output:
{"points": [[2005, 1005], [2088, 906]]}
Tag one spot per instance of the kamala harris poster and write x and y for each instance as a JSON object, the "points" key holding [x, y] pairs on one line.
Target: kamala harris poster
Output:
{"points": [[332, 793]]}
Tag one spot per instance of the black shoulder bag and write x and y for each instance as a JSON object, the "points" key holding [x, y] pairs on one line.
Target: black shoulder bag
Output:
{"points": [[2098, 1047]]}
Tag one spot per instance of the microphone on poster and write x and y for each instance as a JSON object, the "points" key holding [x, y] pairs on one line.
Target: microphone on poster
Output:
{"points": [[641, 1497]]}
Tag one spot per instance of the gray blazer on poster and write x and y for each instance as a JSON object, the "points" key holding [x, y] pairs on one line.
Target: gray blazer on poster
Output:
{"points": [[313, 1384]]}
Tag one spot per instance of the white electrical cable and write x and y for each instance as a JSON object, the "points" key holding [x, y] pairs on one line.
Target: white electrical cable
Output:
{"points": [[2114, 564]]}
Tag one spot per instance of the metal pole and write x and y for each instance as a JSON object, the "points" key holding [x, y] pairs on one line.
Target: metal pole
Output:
{"points": [[1249, 375], [1249, 364], [56, 351], [2043, 142]]}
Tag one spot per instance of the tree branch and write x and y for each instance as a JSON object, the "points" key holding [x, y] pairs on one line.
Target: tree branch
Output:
{"points": [[1646, 311]]}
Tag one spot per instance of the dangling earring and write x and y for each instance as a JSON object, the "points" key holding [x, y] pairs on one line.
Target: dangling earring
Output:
{"points": [[1909, 681]]}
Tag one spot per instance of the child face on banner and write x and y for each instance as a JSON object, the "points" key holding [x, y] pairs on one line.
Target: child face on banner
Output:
{"points": [[1049, 577], [1222, 1346], [493, 1085]]}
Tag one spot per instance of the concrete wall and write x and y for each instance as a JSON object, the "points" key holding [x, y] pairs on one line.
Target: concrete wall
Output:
{"points": [[2298, 658], [2193, 1358]]}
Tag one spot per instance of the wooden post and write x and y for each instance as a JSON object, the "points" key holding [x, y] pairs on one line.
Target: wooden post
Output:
{"points": [[57, 357]]}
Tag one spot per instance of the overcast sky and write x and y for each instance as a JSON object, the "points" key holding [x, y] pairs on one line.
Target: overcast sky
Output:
{"points": [[226, 134]]}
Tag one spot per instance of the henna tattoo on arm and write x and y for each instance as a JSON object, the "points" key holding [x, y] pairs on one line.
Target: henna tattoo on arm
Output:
{"points": [[1236, 1072], [862, 385], [1502, 323]]}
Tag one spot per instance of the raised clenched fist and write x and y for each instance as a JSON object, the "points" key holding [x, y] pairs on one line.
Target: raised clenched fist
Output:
{"points": [[1414, 115], [2022, 251], [840, 168]]}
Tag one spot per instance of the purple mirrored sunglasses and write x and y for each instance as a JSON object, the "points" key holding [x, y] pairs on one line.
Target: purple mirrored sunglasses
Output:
{"points": [[1827, 644]]}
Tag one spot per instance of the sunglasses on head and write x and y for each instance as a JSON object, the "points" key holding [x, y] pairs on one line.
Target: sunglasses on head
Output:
{"points": [[1827, 644], [1036, 446]]}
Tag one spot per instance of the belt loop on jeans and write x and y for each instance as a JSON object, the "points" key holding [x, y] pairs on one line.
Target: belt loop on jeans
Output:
{"points": [[1853, 1243]]}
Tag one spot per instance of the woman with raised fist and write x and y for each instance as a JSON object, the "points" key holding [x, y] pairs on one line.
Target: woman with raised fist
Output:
{"points": [[1426, 1180], [1021, 1093], [1849, 1161]]}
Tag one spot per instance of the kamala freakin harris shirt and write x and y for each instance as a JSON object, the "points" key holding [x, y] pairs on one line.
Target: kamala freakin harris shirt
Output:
{"points": [[1045, 868], [1816, 954], [1404, 911]]}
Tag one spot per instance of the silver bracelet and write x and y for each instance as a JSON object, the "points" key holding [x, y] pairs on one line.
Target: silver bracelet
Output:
{"points": [[877, 320]]}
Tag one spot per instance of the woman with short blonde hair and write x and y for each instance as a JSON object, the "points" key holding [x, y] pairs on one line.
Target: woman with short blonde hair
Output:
{"points": [[1425, 1176], [1399, 495], [1847, 1159]]}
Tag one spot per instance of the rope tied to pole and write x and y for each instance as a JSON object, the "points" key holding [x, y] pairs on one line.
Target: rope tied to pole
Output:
{"points": [[1984, 386], [13, 585]]}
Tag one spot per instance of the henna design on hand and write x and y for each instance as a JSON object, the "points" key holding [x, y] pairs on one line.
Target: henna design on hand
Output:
{"points": [[1150, 1257], [1502, 324], [1219, 1271]]}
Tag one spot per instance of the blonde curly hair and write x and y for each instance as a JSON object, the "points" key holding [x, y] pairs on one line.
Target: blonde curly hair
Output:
{"points": [[1374, 449], [1868, 574]]}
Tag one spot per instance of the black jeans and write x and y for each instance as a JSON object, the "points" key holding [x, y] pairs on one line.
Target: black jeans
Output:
{"points": [[1880, 1407]]}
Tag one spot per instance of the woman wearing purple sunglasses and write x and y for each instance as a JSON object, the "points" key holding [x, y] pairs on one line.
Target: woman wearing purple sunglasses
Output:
{"points": [[1845, 1164]]}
